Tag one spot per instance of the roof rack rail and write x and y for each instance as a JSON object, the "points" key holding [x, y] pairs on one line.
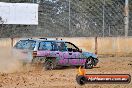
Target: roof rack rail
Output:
{"points": [[29, 38], [50, 38], [43, 38]]}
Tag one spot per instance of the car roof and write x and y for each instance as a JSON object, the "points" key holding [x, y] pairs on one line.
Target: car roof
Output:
{"points": [[40, 39]]}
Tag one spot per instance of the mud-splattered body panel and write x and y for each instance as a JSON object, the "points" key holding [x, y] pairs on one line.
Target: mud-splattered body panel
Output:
{"points": [[64, 52]]}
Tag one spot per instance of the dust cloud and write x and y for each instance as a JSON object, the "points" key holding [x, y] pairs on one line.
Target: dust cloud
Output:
{"points": [[8, 63]]}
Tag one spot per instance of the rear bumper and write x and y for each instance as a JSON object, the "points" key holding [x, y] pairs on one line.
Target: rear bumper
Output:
{"points": [[22, 55]]}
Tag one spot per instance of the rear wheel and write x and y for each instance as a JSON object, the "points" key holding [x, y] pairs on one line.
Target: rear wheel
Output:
{"points": [[89, 63], [50, 64], [34, 60]]}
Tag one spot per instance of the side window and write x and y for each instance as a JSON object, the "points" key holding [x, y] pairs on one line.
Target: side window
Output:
{"points": [[45, 46], [60, 46], [71, 47]]}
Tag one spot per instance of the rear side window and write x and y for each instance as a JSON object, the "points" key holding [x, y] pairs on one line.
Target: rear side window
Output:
{"points": [[46, 45], [25, 44]]}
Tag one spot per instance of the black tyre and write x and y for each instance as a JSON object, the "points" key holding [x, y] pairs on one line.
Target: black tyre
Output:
{"points": [[95, 61], [89, 63], [33, 60], [81, 80], [50, 64]]}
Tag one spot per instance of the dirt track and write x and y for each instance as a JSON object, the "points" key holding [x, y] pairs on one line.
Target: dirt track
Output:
{"points": [[38, 78]]}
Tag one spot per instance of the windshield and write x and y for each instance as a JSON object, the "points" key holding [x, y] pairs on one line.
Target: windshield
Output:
{"points": [[25, 44]]}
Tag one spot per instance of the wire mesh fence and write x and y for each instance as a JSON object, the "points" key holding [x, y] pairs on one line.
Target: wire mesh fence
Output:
{"points": [[87, 18]]}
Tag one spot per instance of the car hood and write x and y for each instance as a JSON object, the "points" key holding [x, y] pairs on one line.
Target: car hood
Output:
{"points": [[88, 54]]}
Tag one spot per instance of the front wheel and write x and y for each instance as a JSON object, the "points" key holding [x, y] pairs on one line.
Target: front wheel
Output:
{"points": [[89, 63]]}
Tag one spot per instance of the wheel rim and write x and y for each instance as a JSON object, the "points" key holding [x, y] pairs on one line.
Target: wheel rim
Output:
{"points": [[51, 67], [89, 63]]}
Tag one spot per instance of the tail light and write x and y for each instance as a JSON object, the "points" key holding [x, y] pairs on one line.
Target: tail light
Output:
{"points": [[34, 53]]}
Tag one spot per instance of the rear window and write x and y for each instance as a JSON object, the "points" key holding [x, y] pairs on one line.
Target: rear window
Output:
{"points": [[25, 44]]}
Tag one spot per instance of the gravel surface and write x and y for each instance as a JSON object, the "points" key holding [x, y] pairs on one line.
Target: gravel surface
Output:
{"points": [[36, 77]]}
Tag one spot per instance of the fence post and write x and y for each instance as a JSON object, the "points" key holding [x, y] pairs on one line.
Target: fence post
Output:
{"points": [[12, 42], [126, 17], [96, 45]]}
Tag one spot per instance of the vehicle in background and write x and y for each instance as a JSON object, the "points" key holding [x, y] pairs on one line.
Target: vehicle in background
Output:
{"points": [[53, 53]]}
